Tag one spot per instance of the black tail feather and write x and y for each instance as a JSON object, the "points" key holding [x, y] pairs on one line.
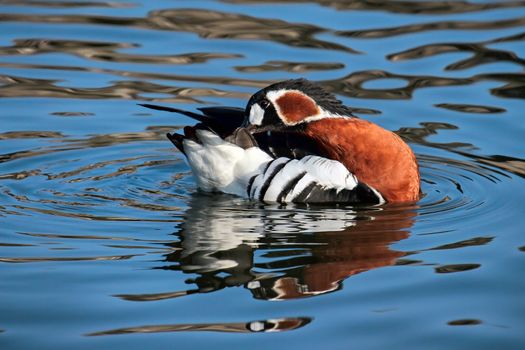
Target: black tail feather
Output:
{"points": [[231, 116], [199, 117], [176, 139], [222, 120]]}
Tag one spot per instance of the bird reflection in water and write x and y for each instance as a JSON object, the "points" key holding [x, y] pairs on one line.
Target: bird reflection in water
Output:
{"points": [[280, 253], [261, 326]]}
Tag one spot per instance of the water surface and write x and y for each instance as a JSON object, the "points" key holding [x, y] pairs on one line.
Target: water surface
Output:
{"points": [[105, 242]]}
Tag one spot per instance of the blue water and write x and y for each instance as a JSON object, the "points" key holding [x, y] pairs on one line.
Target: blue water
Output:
{"points": [[106, 243]]}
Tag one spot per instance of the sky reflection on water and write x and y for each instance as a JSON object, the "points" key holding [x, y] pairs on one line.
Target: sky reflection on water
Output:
{"points": [[104, 233]]}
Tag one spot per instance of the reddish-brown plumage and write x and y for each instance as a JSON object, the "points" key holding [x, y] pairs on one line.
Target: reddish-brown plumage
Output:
{"points": [[376, 156], [294, 106]]}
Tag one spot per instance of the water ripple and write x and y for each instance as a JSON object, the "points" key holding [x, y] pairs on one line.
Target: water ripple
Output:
{"points": [[96, 206], [68, 4], [219, 25], [433, 26], [481, 54], [407, 7], [105, 51], [471, 108]]}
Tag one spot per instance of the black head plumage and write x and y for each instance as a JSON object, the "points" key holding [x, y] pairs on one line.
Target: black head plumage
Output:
{"points": [[317, 92]]}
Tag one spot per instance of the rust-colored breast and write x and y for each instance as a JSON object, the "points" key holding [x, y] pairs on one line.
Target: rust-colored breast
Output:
{"points": [[377, 157]]}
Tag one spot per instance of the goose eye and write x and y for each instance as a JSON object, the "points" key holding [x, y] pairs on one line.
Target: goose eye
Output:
{"points": [[264, 104]]}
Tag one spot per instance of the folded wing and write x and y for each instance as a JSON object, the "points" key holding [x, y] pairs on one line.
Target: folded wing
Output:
{"points": [[311, 179], [219, 165]]}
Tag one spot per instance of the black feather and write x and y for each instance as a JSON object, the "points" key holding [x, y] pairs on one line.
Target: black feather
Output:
{"points": [[322, 97], [193, 115], [288, 144], [222, 120], [365, 194], [316, 193], [233, 116], [176, 139], [290, 186], [301, 197]]}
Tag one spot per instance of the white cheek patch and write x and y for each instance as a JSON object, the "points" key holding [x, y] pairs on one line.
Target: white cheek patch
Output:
{"points": [[256, 114]]}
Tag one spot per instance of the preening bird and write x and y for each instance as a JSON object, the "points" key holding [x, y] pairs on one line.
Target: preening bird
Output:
{"points": [[296, 142]]}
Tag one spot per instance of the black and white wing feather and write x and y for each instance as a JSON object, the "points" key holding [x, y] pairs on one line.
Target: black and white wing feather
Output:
{"points": [[311, 179], [219, 165]]}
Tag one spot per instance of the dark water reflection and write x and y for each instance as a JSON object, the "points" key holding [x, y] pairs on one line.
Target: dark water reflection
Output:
{"points": [[270, 325], [102, 231], [306, 251], [407, 7]]}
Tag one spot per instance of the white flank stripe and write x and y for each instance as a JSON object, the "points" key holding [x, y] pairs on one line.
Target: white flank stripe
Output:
{"points": [[256, 185], [299, 187], [329, 173], [282, 178], [269, 172]]}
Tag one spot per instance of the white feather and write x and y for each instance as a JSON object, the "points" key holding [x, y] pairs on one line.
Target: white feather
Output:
{"points": [[306, 180], [288, 173], [322, 171], [329, 173], [264, 177], [256, 114], [222, 166], [257, 183]]}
